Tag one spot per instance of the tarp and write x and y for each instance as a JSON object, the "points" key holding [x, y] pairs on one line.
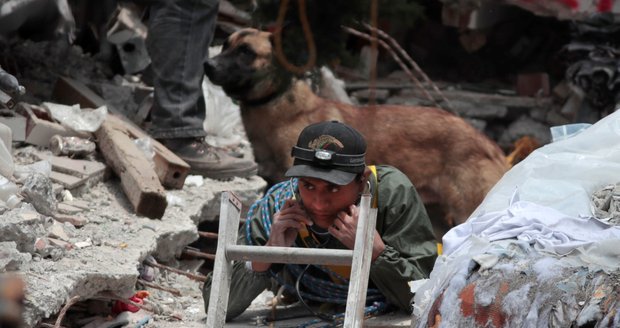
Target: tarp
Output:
{"points": [[532, 249]]}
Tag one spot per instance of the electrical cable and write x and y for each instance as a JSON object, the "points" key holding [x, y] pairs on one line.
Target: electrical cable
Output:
{"points": [[301, 299]]}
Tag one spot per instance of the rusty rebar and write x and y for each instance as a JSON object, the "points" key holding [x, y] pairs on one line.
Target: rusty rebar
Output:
{"points": [[196, 277], [172, 291], [395, 57], [411, 62]]}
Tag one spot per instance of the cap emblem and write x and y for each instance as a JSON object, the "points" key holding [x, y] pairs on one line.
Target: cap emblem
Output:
{"points": [[324, 141]]}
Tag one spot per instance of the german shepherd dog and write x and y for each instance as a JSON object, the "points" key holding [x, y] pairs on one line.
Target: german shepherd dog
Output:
{"points": [[451, 164]]}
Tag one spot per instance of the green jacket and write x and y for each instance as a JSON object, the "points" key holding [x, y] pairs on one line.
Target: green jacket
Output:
{"points": [[402, 223]]}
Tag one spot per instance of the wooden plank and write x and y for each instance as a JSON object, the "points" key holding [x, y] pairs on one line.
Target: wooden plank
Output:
{"points": [[171, 169], [360, 268], [295, 255], [230, 210], [139, 181]]}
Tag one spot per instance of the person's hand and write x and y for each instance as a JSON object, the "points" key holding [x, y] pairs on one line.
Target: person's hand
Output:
{"points": [[287, 223], [284, 229], [344, 229]]}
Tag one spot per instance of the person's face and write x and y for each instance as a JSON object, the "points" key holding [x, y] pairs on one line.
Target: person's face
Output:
{"points": [[323, 200]]}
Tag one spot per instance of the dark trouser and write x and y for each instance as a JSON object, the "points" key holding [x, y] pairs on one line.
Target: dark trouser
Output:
{"points": [[179, 35]]}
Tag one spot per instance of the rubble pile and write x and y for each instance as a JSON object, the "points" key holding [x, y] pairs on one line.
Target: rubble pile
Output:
{"points": [[606, 204], [97, 231], [100, 256]]}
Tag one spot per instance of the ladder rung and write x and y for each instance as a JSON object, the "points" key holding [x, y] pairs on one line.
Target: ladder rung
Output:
{"points": [[289, 255]]}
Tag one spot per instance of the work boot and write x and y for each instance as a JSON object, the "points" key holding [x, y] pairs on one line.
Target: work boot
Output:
{"points": [[209, 161]]}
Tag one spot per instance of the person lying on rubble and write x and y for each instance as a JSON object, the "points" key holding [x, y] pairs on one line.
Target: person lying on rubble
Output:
{"points": [[318, 208]]}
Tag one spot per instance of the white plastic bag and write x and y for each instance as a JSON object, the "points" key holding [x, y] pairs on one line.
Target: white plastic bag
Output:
{"points": [[222, 116], [563, 174], [80, 120]]}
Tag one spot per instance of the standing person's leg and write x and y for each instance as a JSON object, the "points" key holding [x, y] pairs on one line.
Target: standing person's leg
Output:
{"points": [[178, 41]]}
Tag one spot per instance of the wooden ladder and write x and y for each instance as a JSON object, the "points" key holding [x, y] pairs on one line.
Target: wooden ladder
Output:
{"points": [[227, 251]]}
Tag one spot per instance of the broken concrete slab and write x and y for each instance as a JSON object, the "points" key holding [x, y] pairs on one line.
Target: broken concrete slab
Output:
{"points": [[74, 173], [201, 207], [244, 189], [22, 226], [119, 243], [67, 181]]}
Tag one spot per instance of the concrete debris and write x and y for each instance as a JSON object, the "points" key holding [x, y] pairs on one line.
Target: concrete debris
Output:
{"points": [[11, 259], [128, 34], [76, 221], [535, 265], [73, 147], [105, 253], [75, 175], [65, 208], [50, 248], [606, 204], [494, 296], [22, 226], [594, 59], [77, 234], [37, 190]]}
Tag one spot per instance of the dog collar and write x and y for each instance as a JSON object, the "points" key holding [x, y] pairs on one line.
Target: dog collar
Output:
{"points": [[261, 101]]}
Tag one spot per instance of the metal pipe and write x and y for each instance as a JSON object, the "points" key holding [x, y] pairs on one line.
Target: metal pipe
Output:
{"points": [[296, 255]]}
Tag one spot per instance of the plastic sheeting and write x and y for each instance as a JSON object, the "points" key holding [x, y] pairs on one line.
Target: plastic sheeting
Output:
{"points": [[562, 175], [555, 181]]}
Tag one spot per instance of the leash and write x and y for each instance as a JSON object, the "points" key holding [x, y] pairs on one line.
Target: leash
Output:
{"points": [[277, 39]]}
